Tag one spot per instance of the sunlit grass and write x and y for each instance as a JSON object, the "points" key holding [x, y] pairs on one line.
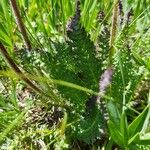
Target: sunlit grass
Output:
{"points": [[70, 78]]}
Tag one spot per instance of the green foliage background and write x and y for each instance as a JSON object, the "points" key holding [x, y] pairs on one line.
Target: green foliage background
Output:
{"points": [[61, 56]]}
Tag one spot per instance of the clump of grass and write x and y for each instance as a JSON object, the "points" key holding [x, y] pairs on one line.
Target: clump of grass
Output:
{"points": [[82, 77]]}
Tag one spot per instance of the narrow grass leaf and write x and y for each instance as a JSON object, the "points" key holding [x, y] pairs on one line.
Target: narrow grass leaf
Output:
{"points": [[137, 124], [15, 123], [124, 128]]}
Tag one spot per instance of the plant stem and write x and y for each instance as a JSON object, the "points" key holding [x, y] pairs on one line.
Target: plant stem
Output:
{"points": [[20, 24], [15, 67], [113, 30], [20, 74]]}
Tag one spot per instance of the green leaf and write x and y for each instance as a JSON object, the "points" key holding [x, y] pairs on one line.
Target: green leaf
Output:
{"points": [[140, 139], [116, 134], [124, 128], [92, 127], [114, 113], [138, 59], [134, 139], [137, 124]]}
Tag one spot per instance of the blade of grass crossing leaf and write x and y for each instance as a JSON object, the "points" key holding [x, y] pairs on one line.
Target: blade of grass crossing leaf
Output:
{"points": [[53, 81], [114, 114]]}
